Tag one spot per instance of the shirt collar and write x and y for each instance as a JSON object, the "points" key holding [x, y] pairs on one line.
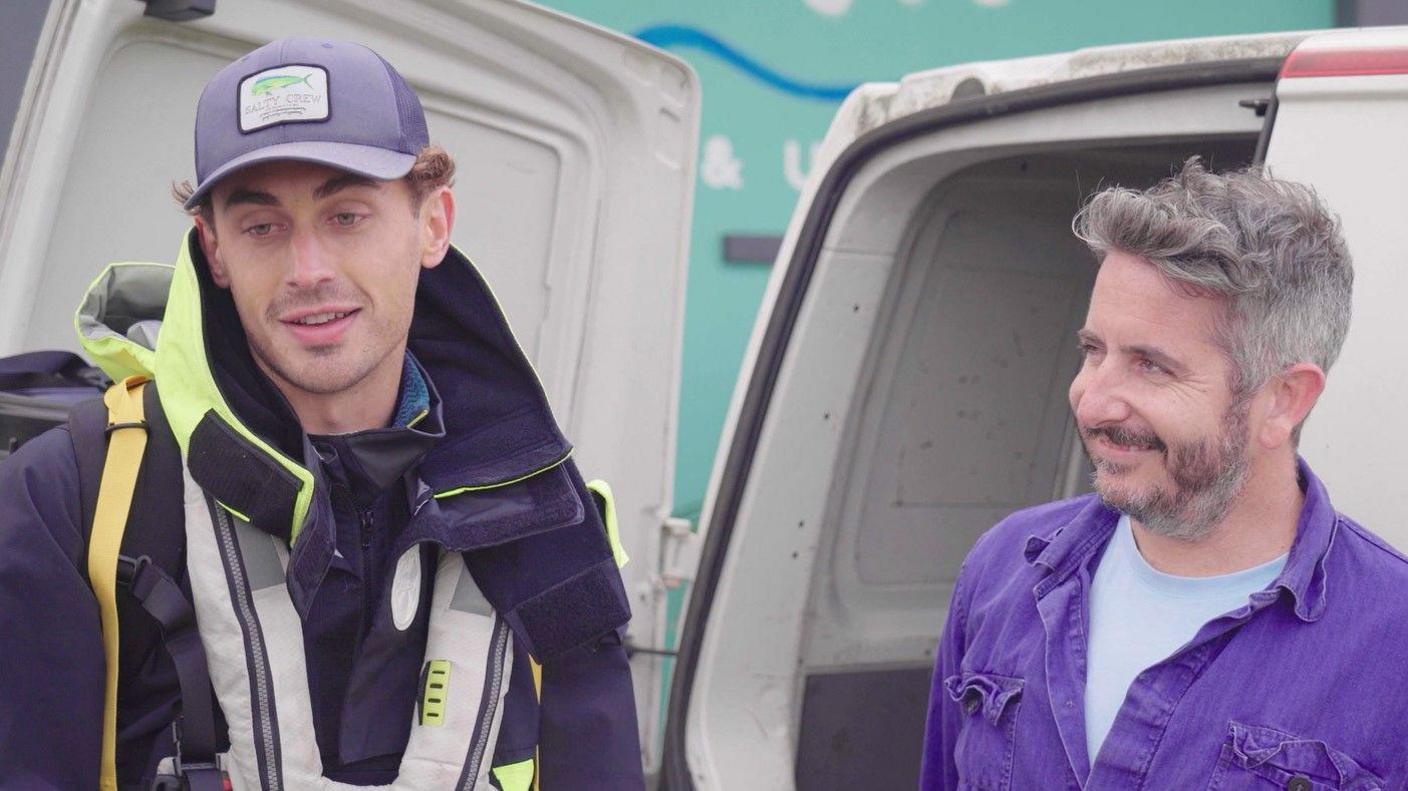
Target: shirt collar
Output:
{"points": [[1304, 574], [413, 401], [1068, 546]]}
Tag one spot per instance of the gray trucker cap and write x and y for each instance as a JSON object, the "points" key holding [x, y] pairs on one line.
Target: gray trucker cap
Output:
{"points": [[330, 102]]}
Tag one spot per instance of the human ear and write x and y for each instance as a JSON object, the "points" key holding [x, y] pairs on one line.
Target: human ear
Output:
{"points": [[1292, 394], [210, 246], [437, 222]]}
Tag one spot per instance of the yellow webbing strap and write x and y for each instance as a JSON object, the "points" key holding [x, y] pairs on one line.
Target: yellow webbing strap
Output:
{"points": [[127, 442], [537, 693]]}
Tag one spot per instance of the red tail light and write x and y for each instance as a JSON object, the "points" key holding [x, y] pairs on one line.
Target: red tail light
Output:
{"points": [[1345, 62]]}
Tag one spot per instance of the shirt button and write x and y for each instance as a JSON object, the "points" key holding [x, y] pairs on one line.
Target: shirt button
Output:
{"points": [[1298, 783]]}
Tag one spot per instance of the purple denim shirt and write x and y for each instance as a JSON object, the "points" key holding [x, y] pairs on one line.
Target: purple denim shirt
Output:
{"points": [[1305, 687]]}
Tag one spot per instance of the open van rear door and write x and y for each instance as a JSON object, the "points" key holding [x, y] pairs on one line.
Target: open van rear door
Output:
{"points": [[1340, 112], [906, 388], [575, 148]]}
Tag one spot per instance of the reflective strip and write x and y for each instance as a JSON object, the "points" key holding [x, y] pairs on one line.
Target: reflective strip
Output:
{"points": [[486, 487], [119, 481], [237, 514], [437, 689], [515, 777], [258, 549], [613, 532], [469, 598]]}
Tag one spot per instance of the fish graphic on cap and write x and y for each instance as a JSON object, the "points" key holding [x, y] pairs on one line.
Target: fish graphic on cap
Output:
{"points": [[268, 84], [286, 84]]}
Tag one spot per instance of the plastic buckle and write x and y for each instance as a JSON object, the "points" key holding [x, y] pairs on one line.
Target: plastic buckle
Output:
{"points": [[184, 773], [182, 783], [111, 427], [166, 783], [184, 769], [129, 570]]}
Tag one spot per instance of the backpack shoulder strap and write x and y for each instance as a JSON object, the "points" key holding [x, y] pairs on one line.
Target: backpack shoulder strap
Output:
{"points": [[127, 441], [155, 608]]}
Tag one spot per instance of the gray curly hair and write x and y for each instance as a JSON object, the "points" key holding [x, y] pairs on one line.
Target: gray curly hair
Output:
{"points": [[1270, 248]]}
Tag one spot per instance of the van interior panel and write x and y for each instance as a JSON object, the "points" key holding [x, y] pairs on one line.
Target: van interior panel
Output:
{"points": [[875, 748]]}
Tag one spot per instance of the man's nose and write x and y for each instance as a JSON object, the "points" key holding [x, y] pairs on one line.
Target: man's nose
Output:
{"points": [[311, 262], [1099, 395]]}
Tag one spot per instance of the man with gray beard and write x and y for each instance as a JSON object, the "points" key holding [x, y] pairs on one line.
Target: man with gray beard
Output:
{"points": [[1205, 619]]}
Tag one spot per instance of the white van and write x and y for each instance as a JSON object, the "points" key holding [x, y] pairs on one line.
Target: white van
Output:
{"points": [[905, 386], [906, 383]]}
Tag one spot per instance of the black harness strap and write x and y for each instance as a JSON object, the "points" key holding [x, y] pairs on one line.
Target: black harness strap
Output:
{"points": [[194, 729]]}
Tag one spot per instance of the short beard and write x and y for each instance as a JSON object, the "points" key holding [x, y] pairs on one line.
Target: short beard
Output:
{"points": [[1206, 481]]}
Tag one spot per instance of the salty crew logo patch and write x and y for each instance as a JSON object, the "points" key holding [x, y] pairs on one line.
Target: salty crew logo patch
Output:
{"points": [[283, 95]]}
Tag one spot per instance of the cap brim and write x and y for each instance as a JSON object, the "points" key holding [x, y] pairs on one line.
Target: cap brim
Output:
{"points": [[374, 163]]}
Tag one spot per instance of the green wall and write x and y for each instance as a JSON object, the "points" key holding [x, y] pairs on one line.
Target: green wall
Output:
{"points": [[761, 63]]}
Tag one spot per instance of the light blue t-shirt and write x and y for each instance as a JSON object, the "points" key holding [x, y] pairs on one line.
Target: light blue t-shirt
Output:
{"points": [[1139, 616]]}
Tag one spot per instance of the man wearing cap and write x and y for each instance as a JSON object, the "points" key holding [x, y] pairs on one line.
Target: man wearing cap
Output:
{"points": [[358, 552]]}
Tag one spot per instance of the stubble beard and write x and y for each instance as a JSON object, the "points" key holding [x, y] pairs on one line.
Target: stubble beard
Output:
{"points": [[327, 378], [1207, 474], [324, 374]]}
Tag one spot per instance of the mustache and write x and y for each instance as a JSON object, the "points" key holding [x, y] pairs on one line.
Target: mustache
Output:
{"points": [[1144, 440], [320, 294]]}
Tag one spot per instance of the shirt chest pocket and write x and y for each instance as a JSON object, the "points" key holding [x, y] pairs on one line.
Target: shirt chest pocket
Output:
{"points": [[986, 738], [1256, 758]]}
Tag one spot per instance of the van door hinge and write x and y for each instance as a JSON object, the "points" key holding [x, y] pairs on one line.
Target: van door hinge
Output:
{"points": [[680, 548], [180, 10]]}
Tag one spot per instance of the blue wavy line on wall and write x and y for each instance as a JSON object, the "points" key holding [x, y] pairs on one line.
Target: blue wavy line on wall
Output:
{"points": [[682, 37]]}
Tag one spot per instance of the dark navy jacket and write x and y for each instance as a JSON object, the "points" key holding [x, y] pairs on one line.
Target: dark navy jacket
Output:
{"points": [[538, 554]]}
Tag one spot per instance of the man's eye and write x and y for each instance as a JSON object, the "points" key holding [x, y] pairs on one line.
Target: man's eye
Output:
{"points": [[1087, 349], [262, 229], [1149, 366], [345, 218]]}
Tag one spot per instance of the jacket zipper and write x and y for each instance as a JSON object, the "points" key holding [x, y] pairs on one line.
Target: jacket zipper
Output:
{"points": [[264, 727], [488, 706], [370, 595]]}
